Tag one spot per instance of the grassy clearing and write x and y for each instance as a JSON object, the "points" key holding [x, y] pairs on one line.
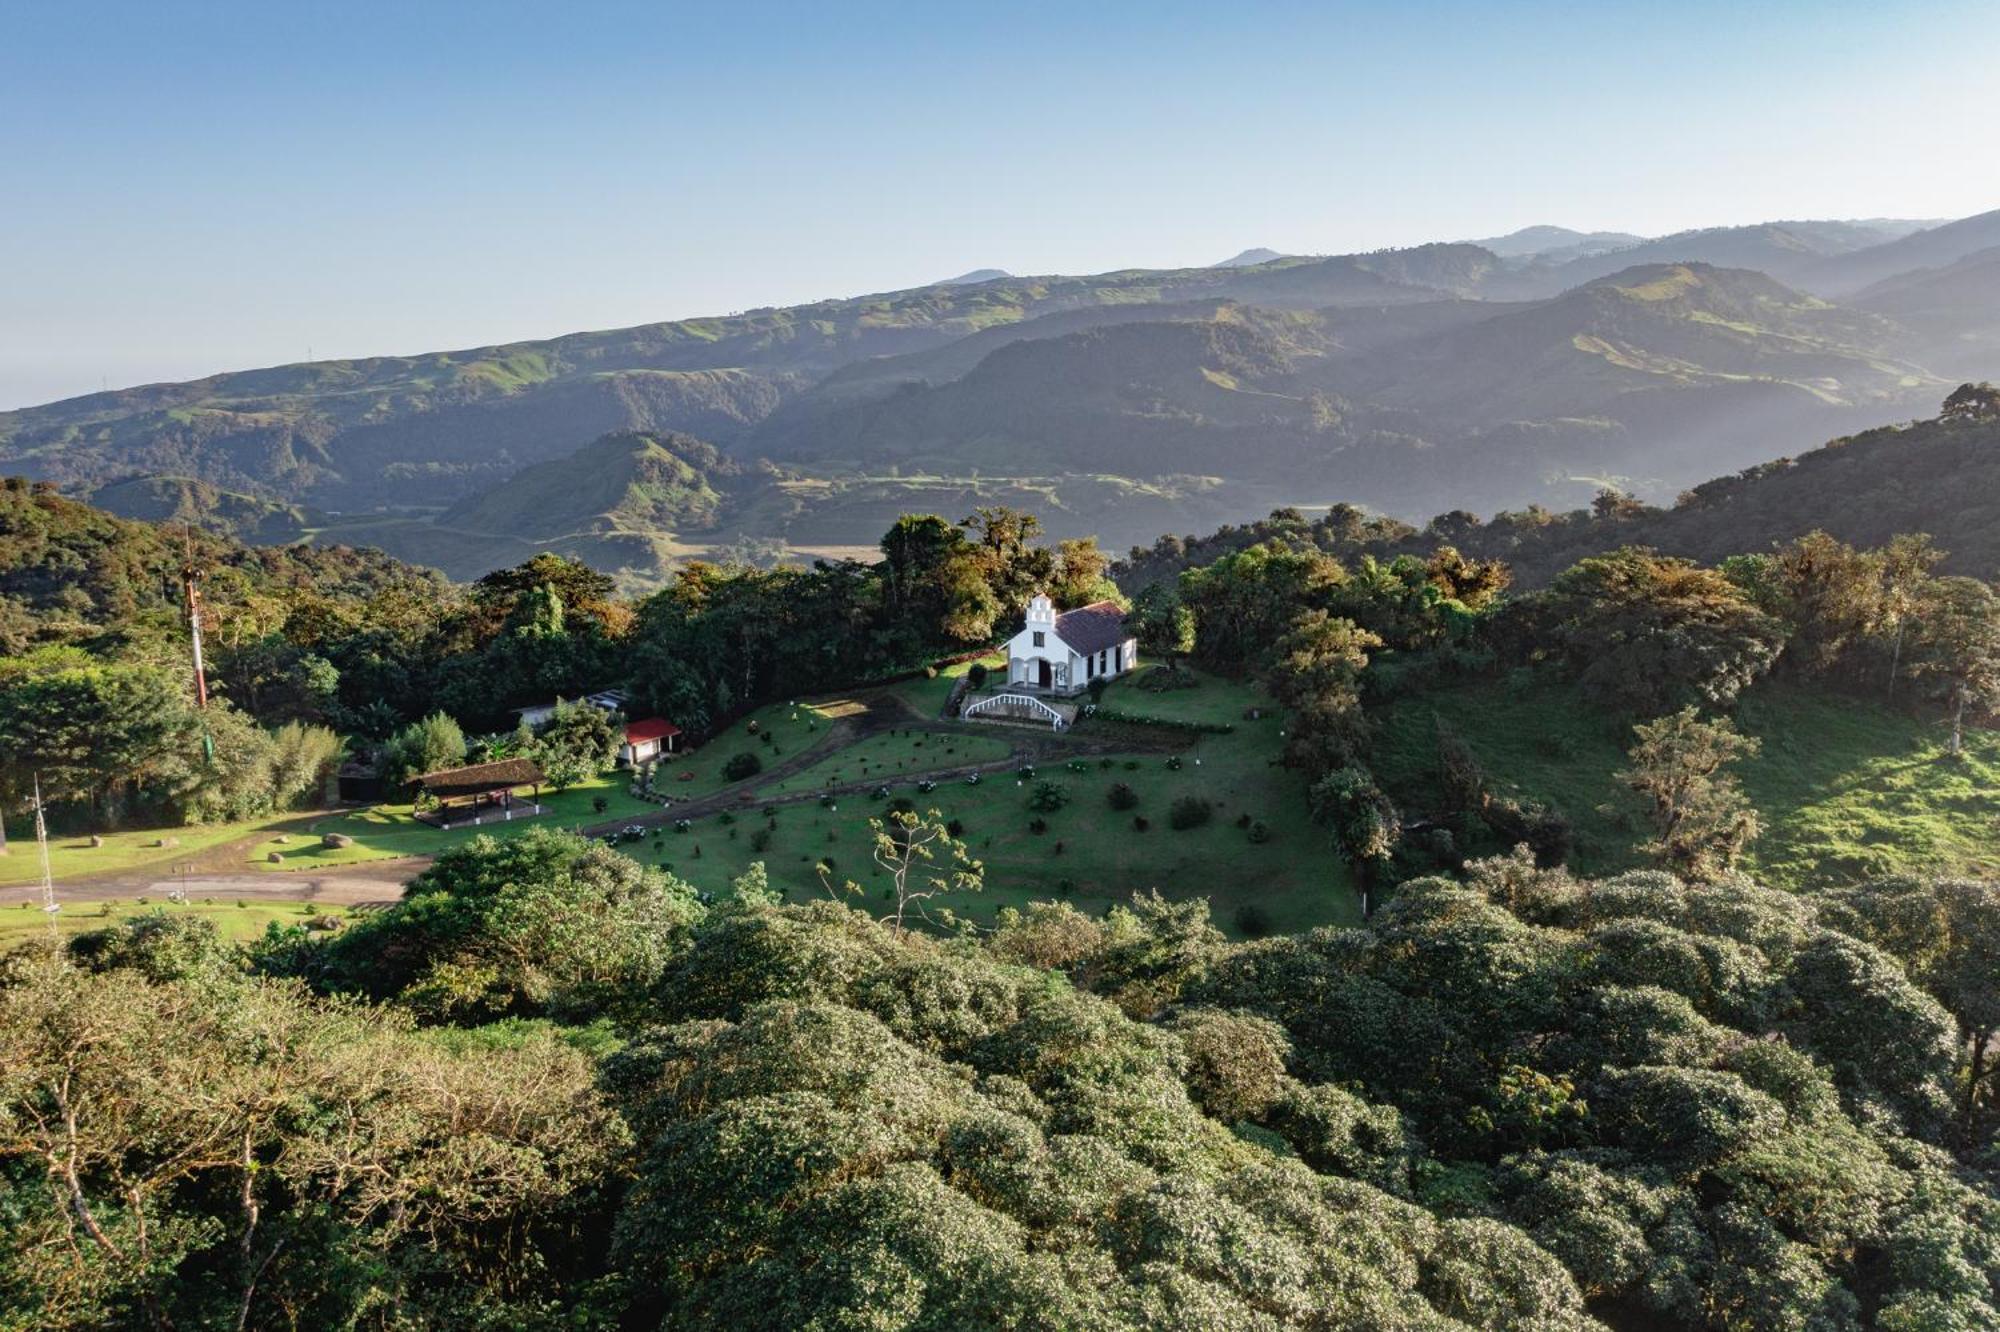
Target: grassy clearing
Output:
{"points": [[1089, 853], [389, 832], [239, 919], [926, 695], [73, 856], [892, 757], [1847, 790]]}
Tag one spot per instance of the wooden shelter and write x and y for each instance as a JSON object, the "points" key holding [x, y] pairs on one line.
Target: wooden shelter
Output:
{"points": [[481, 792]]}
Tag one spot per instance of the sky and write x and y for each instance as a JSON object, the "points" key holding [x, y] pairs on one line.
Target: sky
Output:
{"points": [[190, 188]]}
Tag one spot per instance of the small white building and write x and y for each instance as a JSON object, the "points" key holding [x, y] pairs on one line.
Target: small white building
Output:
{"points": [[646, 740], [1062, 654]]}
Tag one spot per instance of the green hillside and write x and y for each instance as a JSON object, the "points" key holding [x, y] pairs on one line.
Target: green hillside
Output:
{"points": [[623, 482], [1848, 790], [179, 499]]}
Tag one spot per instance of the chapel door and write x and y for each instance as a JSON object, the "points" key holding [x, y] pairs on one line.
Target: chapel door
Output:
{"points": [[1042, 673]]}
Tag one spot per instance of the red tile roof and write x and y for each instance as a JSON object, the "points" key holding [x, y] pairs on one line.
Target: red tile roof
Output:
{"points": [[652, 728]]}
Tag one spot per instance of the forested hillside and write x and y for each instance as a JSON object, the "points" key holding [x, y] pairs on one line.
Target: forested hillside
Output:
{"points": [[1935, 476], [1411, 381], [1407, 944]]}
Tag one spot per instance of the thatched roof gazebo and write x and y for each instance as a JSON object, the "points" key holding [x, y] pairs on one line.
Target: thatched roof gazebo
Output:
{"points": [[481, 791]]}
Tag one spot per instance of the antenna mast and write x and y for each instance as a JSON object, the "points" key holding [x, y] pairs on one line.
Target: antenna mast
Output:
{"points": [[49, 904], [191, 598]]}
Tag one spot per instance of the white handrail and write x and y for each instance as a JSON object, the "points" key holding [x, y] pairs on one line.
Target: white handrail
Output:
{"points": [[1033, 704]]}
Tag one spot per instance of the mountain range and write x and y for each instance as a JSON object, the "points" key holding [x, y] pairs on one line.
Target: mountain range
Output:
{"points": [[1530, 368]]}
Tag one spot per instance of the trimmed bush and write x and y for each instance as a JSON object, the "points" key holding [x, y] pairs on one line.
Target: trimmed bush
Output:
{"points": [[1122, 796], [1048, 797], [1189, 812], [745, 764], [1252, 921]]}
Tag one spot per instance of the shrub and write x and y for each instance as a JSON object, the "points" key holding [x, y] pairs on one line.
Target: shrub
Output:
{"points": [[599, 804], [1190, 812], [1122, 796], [1259, 833], [1252, 921], [745, 764], [1048, 797], [1139, 823], [760, 840], [1173, 763], [956, 827], [976, 677], [1038, 826]]}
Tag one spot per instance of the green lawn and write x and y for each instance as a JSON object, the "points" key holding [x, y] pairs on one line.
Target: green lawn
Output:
{"points": [[926, 695], [1847, 790], [1089, 854], [384, 832], [239, 919], [793, 728], [73, 855], [892, 756]]}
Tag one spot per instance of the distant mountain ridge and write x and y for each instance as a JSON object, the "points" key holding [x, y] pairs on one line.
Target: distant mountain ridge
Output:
{"points": [[1411, 379]]}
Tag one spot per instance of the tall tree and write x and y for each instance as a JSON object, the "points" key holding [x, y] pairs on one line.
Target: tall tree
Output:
{"points": [[1701, 819], [1956, 648]]}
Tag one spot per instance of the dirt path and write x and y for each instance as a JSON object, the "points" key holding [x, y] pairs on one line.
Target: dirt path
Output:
{"points": [[216, 872]]}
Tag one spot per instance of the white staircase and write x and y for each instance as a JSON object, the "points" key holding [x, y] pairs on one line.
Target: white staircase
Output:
{"points": [[1015, 705]]}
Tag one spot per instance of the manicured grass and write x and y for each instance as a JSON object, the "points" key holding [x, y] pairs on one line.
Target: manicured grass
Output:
{"points": [[384, 832], [892, 756], [388, 832], [238, 919], [926, 695], [793, 727], [1847, 789], [1294, 878], [73, 855]]}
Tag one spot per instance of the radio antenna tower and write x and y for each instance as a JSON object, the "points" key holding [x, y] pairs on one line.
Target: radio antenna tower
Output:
{"points": [[49, 904], [191, 607]]}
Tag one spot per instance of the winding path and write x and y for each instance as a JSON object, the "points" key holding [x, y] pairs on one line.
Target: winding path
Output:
{"points": [[380, 882]]}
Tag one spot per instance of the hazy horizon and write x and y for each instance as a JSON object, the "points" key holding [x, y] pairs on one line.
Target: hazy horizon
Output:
{"points": [[194, 193]]}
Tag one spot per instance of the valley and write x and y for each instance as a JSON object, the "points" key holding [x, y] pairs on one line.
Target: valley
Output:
{"points": [[1120, 405]]}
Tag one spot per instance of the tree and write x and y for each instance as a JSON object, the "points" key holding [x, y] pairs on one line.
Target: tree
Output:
{"points": [[301, 758], [1972, 402], [97, 734], [1956, 648], [576, 743], [1165, 627], [1701, 819], [1946, 933], [1644, 632], [167, 1172], [1081, 574], [430, 745], [907, 847]]}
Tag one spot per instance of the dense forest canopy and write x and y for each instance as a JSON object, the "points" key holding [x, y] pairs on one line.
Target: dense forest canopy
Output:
{"points": [[558, 1085]]}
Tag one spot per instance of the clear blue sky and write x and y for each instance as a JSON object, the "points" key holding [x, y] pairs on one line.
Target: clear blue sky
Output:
{"points": [[187, 188]]}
